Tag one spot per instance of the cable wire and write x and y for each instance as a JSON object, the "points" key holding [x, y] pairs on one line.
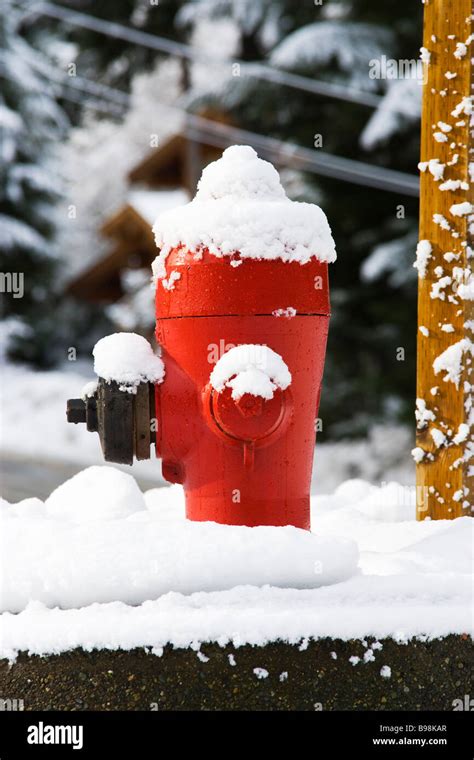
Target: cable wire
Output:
{"points": [[180, 49]]}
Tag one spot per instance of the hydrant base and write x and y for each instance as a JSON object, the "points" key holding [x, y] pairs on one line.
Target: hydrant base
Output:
{"points": [[250, 512]]}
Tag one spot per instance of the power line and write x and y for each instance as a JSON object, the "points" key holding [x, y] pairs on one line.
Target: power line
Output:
{"points": [[180, 49], [323, 164], [96, 105], [219, 135], [97, 89], [74, 96]]}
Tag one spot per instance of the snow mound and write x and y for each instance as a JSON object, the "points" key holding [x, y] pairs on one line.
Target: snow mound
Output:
{"points": [[250, 368], [151, 578], [127, 359], [240, 206], [55, 556], [95, 494]]}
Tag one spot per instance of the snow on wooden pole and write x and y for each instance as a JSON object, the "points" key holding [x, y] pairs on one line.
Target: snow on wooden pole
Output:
{"points": [[445, 440]]}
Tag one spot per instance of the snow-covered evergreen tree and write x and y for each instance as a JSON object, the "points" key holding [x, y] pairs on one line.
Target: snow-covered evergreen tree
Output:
{"points": [[100, 153], [104, 57], [31, 123], [261, 23]]}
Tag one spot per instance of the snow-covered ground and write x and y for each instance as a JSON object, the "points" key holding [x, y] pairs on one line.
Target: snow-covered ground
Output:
{"points": [[100, 565], [36, 439], [97, 539]]}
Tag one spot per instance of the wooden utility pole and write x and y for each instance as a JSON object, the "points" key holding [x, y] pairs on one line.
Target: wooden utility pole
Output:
{"points": [[445, 420]]}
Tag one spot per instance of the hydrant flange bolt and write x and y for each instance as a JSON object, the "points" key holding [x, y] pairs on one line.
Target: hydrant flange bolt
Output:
{"points": [[76, 410]]}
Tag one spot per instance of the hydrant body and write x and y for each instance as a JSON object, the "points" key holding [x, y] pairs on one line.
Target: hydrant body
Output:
{"points": [[242, 314], [240, 465]]}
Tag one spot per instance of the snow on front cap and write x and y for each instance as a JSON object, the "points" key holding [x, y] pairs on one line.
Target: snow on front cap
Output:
{"points": [[241, 207], [250, 368]]}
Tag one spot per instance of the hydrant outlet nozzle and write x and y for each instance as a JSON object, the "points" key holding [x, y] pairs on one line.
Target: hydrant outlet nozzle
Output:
{"points": [[123, 420]]}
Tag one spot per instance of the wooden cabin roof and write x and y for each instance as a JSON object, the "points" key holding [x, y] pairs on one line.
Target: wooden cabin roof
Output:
{"points": [[178, 163], [166, 177]]}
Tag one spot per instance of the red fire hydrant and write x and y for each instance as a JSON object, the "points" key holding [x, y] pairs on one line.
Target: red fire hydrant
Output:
{"points": [[241, 266]]}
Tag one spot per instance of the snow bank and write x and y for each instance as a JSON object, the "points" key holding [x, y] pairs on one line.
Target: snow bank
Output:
{"points": [[131, 554], [127, 359], [97, 493], [240, 206], [246, 615], [250, 368], [414, 579]]}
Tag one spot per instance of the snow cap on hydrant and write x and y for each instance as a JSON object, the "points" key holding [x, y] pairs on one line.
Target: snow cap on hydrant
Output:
{"points": [[242, 315], [241, 207]]}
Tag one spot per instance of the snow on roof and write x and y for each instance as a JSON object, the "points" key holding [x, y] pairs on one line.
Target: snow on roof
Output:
{"points": [[150, 203], [241, 206]]}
